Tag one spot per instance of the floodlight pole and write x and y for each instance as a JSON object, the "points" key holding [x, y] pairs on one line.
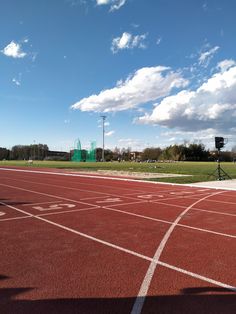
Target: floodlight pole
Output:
{"points": [[34, 151], [103, 135]]}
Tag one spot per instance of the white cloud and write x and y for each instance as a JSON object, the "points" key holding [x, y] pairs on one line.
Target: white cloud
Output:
{"points": [[158, 41], [225, 64], [13, 50], [76, 2], [114, 4], [135, 144], [212, 105], [128, 41], [16, 81], [101, 2], [206, 137], [33, 56], [206, 56], [205, 7], [110, 133], [146, 85]]}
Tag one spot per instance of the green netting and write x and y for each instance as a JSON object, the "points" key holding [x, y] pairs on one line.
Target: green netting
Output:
{"points": [[77, 156], [91, 153], [84, 155]]}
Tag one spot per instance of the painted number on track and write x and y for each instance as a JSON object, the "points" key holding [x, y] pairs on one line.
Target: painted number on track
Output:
{"points": [[149, 196], [180, 193], [109, 200], [54, 207]]}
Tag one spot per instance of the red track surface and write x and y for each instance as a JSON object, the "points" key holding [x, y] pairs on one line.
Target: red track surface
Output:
{"points": [[76, 244]]}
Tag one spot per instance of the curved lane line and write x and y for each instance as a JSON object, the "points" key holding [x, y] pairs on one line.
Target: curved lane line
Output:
{"points": [[125, 250], [139, 302]]}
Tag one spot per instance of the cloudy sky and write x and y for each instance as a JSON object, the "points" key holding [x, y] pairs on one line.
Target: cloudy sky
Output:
{"points": [[161, 71]]}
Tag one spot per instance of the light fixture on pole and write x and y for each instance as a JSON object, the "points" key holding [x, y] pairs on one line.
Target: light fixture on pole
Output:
{"points": [[103, 135]]}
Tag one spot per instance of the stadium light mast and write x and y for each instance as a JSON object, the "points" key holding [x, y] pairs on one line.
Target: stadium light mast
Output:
{"points": [[103, 135], [34, 151]]}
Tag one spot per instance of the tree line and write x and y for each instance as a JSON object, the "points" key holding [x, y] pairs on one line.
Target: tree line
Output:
{"points": [[24, 152], [183, 152]]}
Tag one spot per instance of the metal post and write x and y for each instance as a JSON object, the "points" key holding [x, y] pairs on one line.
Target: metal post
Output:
{"points": [[219, 174], [34, 151], [103, 135]]}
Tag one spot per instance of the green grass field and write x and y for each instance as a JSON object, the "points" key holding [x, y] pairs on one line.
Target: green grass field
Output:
{"points": [[197, 171]]}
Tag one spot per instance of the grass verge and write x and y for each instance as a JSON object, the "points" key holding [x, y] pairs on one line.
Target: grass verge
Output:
{"points": [[197, 171]]}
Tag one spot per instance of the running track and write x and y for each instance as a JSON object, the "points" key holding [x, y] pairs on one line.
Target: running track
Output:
{"points": [[86, 244]]}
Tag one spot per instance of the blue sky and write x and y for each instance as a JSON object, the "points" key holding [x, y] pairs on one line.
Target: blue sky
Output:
{"points": [[162, 71]]}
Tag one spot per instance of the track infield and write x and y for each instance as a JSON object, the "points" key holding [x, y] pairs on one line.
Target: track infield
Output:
{"points": [[85, 244]]}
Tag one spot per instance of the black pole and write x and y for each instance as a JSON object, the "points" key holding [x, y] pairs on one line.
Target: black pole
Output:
{"points": [[218, 167]]}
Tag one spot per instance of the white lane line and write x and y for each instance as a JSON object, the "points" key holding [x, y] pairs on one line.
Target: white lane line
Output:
{"points": [[222, 202], [216, 201], [139, 302], [15, 218], [128, 213], [39, 217], [100, 194], [214, 212], [197, 276], [67, 211], [118, 179], [208, 231], [182, 197], [79, 183], [194, 195], [122, 249], [15, 208], [169, 222], [197, 209], [42, 203], [124, 204], [45, 214], [45, 194]]}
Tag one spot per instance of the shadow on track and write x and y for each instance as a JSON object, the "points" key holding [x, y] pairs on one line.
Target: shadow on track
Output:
{"points": [[4, 202], [11, 301]]}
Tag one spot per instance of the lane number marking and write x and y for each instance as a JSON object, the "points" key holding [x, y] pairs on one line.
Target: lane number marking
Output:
{"points": [[54, 207], [149, 196], [110, 200], [180, 193]]}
